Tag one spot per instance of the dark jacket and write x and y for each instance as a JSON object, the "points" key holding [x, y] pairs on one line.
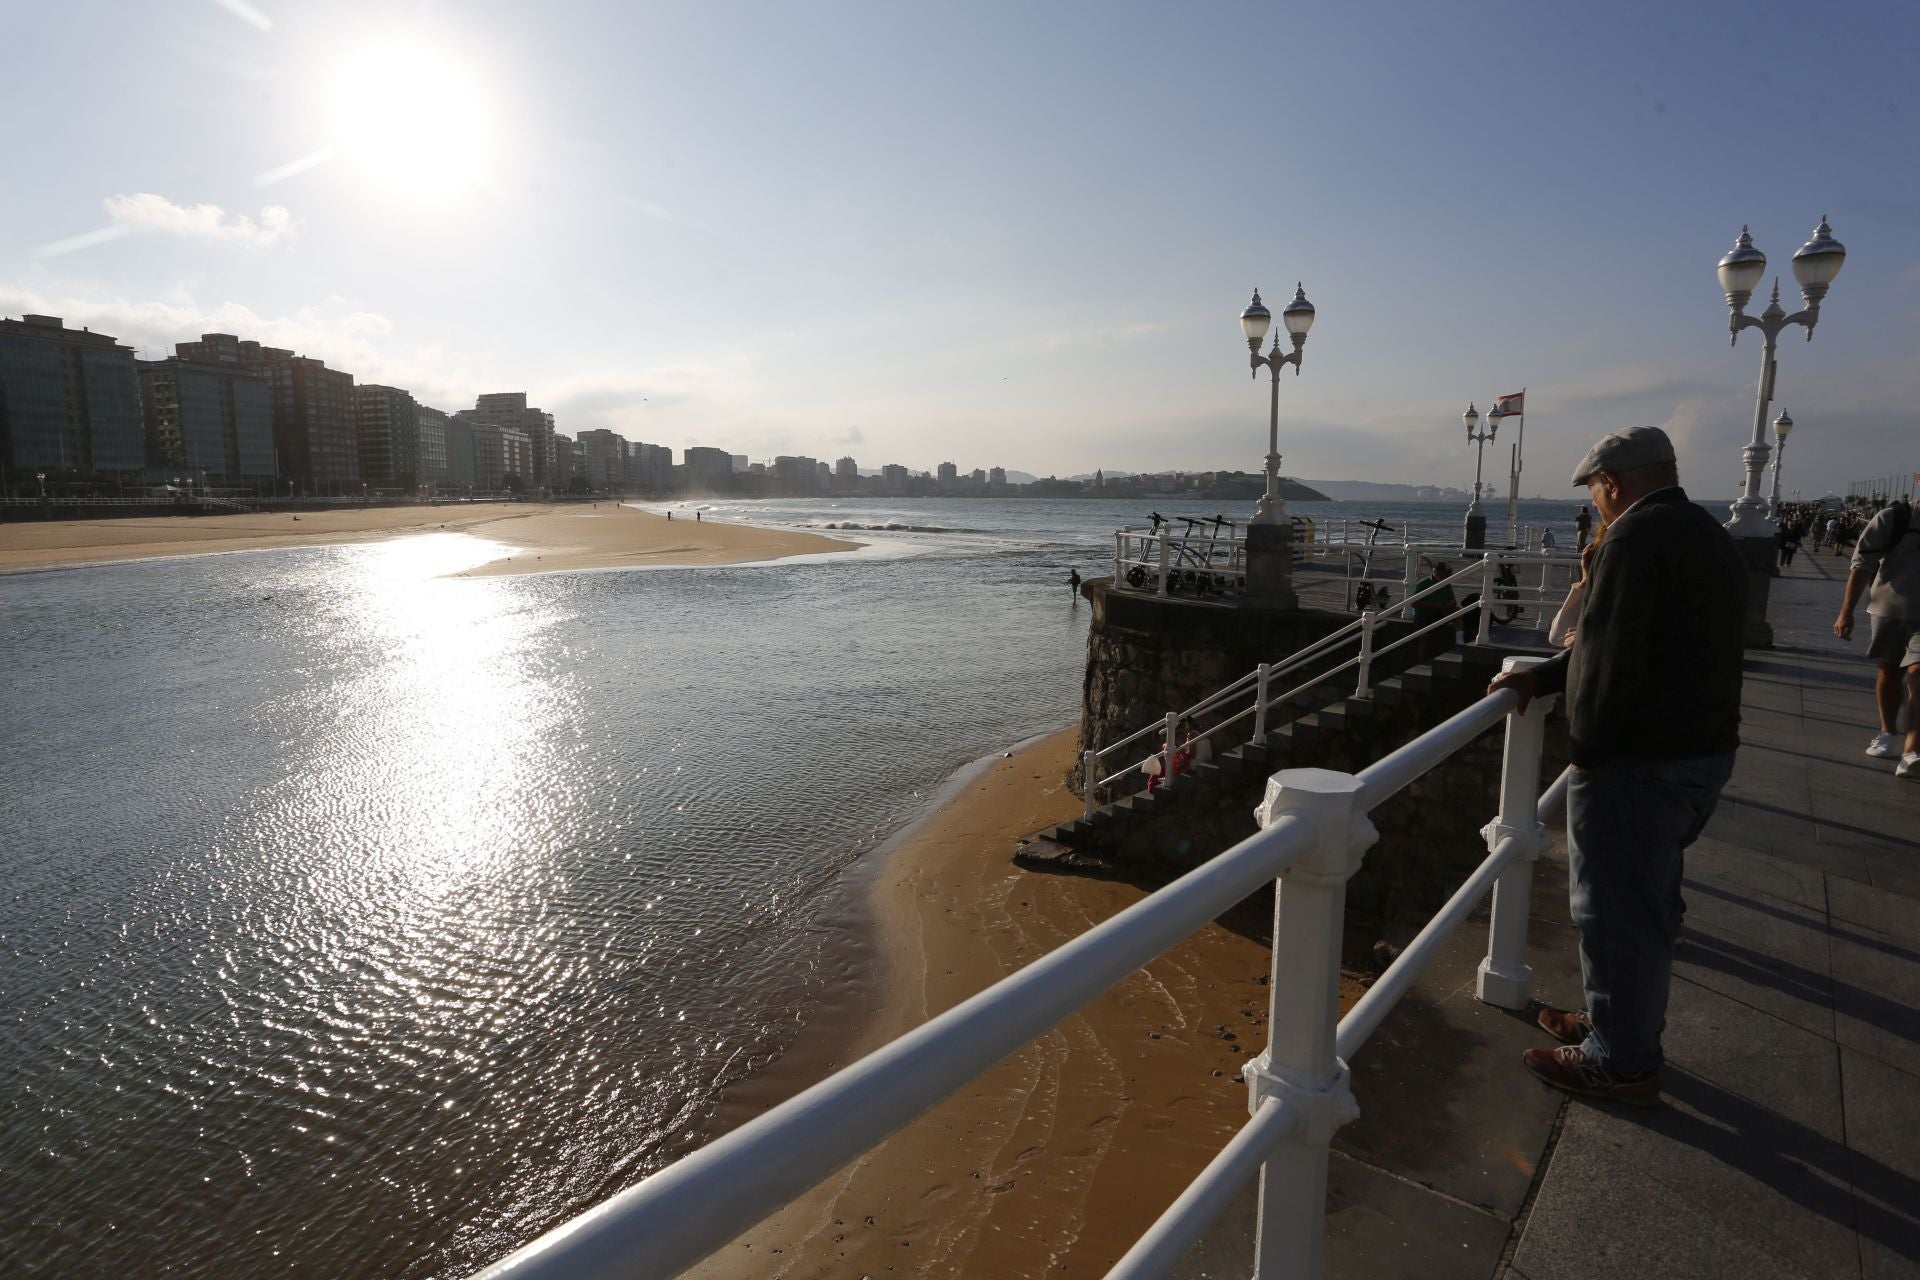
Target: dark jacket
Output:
{"points": [[1655, 668]]}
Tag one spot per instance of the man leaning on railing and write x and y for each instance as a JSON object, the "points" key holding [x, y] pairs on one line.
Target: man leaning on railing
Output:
{"points": [[1653, 697]]}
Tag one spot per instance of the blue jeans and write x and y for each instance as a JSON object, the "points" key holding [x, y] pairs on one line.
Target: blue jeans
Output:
{"points": [[1628, 826]]}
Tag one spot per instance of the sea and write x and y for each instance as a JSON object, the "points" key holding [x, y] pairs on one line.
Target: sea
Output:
{"points": [[363, 920]]}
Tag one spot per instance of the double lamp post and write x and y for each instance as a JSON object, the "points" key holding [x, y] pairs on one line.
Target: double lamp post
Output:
{"points": [[1269, 534], [1815, 264], [1474, 537]]}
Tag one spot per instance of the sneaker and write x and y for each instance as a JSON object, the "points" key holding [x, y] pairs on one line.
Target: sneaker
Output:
{"points": [[1885, 745], [1567, 1068], [1909, 766], [1564, 1025]]}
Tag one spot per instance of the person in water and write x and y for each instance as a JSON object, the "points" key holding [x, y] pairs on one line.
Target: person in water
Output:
{"points": [[1073, 581]]}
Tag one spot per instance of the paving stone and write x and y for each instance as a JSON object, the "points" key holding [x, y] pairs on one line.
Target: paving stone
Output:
{"points": [[1443, 1098], [1385, 1229], [1883, 1132], [1711, 861], [1895, 915], [1679, 1192], [1794, 993], [1774, 1065], [1876, 994]]}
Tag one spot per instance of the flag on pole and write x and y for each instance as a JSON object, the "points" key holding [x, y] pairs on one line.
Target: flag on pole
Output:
{"points": [[1513, 404]]}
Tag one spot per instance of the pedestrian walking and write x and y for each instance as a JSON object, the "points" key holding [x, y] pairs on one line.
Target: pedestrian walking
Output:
{"points": [[1653, 696], [1886, 569]]}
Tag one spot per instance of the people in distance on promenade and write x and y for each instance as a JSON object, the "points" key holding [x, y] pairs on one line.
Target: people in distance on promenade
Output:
{"points": [[1547, 542], [1566, 622], [1653, 698], [1886, 569], [1583, 526]]}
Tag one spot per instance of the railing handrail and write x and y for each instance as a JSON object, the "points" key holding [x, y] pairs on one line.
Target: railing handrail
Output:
{"points": [[684, 1212], [1312, 651]]}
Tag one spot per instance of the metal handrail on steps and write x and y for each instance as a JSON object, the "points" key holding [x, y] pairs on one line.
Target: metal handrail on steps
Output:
{"points": [[1314, 831], [1260, 681]]}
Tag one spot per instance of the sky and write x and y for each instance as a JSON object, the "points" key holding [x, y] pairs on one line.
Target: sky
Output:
{"points": [[1000, 234]]}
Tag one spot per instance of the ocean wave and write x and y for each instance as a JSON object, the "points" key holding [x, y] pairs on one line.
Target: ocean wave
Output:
{"points": [[888, 527]]}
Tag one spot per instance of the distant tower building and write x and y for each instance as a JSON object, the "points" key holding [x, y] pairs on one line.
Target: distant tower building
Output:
{"points": [[431, 462], [69, 401], [1099, 479], [314, 432], [893, 479], [509, 409], [708, 470], [997, 476], [606, 458], [947, 474], [740, 463], [847, 469], [387, 421], [212, 419]]}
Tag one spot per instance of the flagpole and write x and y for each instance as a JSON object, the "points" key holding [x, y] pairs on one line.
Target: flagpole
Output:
{"points": [[1513, 476]]}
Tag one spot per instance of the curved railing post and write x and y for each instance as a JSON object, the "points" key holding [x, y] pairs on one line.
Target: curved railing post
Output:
{"points": [[1364, 689], [1260, 702], [1505, 978], [1166, 552], [1300, 1064], [1172, 745], [1089, 781], [1119, 555]]}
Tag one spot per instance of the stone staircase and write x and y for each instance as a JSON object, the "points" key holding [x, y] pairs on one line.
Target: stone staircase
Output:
{"points": [[1156, 836]]}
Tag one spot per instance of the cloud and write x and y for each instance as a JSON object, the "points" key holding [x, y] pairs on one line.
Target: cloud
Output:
{"points": [[146, 211]]}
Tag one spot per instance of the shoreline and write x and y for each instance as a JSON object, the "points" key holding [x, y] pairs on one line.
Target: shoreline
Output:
{"points": [[559, 537], [1097, 1125]]}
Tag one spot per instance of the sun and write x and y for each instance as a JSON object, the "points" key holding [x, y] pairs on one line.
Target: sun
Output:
{"points": [[414, 119]]}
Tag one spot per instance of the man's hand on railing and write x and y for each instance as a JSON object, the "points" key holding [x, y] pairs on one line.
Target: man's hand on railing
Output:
{"points": [[1521, 682]]}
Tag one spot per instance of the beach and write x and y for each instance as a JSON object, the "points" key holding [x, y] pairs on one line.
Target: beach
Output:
{"points": [[1054, 1161], [537, 537]]}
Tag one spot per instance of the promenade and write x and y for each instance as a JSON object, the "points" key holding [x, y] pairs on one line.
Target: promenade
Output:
{"points": [[1789, 1145]]}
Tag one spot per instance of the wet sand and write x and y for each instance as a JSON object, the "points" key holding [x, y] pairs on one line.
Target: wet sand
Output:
{"points": [[539, 538], [1056, 1160]]}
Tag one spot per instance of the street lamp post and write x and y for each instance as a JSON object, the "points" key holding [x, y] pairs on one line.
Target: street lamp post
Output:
{"points": [[1270, 533], [1474, 537], [1782, 427], [1815, 264], [41, 476]]}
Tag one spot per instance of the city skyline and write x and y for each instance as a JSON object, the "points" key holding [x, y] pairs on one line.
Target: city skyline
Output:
{"points": [[716, 250]]}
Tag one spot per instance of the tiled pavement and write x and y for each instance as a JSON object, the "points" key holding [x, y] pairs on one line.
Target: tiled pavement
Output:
{"points": [[1790, 1145], [1790, 1142]]}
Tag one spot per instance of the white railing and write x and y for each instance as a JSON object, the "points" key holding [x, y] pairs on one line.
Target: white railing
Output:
{"points": [[1314, 831], [1540, 583], [1257, 686], [1206, 556]]}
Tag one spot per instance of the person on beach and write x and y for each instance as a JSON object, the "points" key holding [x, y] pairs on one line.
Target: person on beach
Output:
{"points": [[1583, 525], [1073, 582], [1886, 569], [1653, 698]]}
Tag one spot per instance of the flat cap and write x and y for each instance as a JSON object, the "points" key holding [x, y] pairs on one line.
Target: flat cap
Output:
{"points": [[1624, 450]]}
